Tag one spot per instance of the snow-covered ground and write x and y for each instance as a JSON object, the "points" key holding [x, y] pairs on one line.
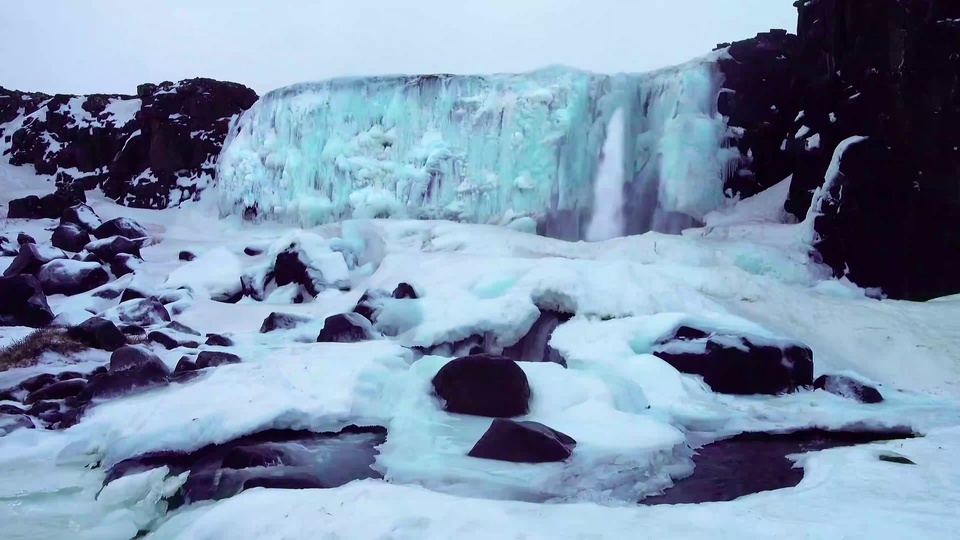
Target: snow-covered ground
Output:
{"points": [[631, 413]]}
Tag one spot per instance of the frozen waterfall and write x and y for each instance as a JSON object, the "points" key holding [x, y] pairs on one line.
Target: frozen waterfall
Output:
{"points": [[486, 149], [608, 221]]}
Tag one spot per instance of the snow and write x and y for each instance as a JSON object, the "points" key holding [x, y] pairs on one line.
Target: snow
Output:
{"points": [[812, 142], [475, 148], [747, 270]]}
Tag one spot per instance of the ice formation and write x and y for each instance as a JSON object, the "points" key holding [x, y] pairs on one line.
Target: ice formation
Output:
{"points": [[607, 220], [484, 149]]}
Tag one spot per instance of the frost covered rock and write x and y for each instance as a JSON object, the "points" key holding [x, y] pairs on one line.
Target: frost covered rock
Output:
{"points": [[131, 368], [522, 442], [735, 364], [848, 387], [141, 311], [217, 340], [172, 340], [71, 277], [57, 390], [24, 303], [535, 345], [121, 226], [282, 321], [31, 258], [124, 264], [8, 248], [216, 358], [99, 333], [82, 216], [69, 237], [483, 385], [24, 238], [345, 328], [106, 249]]}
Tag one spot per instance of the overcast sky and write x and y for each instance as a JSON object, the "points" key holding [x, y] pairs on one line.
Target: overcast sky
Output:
{"points": [[85, 46]]}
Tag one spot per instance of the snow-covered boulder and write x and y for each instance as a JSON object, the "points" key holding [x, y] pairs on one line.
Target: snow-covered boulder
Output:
{"points": [[82, 216], [31, 258], [69, 277], [345, 328], [848, 387], [70, 237], [99, 333], [121, 226]]}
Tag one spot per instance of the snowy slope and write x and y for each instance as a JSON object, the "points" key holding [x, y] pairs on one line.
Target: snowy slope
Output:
{"points": [[744, 272]]}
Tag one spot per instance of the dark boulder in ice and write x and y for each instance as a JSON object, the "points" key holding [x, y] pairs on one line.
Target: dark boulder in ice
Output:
{"points": [[121, 226], [24, 303], [131, 368], [57, 390], [282, 321], [345, 328], [848, 387], [70, 277], [99, 333], [216, 358], [82, 216], [742, 365], [70, 237], [523, 442], [483, 385]]}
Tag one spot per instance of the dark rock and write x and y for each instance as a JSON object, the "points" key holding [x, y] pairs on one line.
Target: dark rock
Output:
{"points": [[107, 249], [31, 258], [182, 328], [11, 409], [252, 252], [121, 226], [70, 237], [737, 365], [33, 207], [67, 375], [345, 328], [24, 238], [69, 418], [71, 277], [184, 365], [37, 382], [216, 340], [57, 390], [170, 341], [535, 345], [99, 333], [849, 388], [40, 407], [522, 442], [124, 264], [7, 248], [405, 290], [82, 216], [216, 358], [187, 256], [895, 458], [282, 321], [143, 312], [131, 368], [132, 294], [133, 330], [24, 303], [483, 385]]}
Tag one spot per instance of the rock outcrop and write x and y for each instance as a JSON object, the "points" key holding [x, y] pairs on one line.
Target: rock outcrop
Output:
{"points": [[155, 149]]}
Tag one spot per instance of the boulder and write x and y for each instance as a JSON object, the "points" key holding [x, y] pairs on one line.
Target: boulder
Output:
{"points": [[187, 256], [124, 264], [121, 226], [535, 345], [70, 277], [172, 340], [405, 291], [107, 249], [31, 258], [24, 303], [216, 358], [184, 365], [217, 340], [57, 390], [741, 365], [848, 387], [522, 442], [282, 321], [24, 238], [345, 328], [142, 312], [99, 333], [483, 385], [131, 368], [37, 382], [69, 237], [82, 216], [33, 207]]}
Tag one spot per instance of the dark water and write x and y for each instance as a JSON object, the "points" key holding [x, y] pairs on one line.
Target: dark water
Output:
{"points": [[756, 462]]}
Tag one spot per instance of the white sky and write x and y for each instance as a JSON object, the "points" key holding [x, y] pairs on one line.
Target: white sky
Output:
{"points": [[85, 46]]}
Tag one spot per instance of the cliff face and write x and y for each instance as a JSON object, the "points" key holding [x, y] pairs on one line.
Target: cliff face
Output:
{"points": [[888, 70], [153, 150]]}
